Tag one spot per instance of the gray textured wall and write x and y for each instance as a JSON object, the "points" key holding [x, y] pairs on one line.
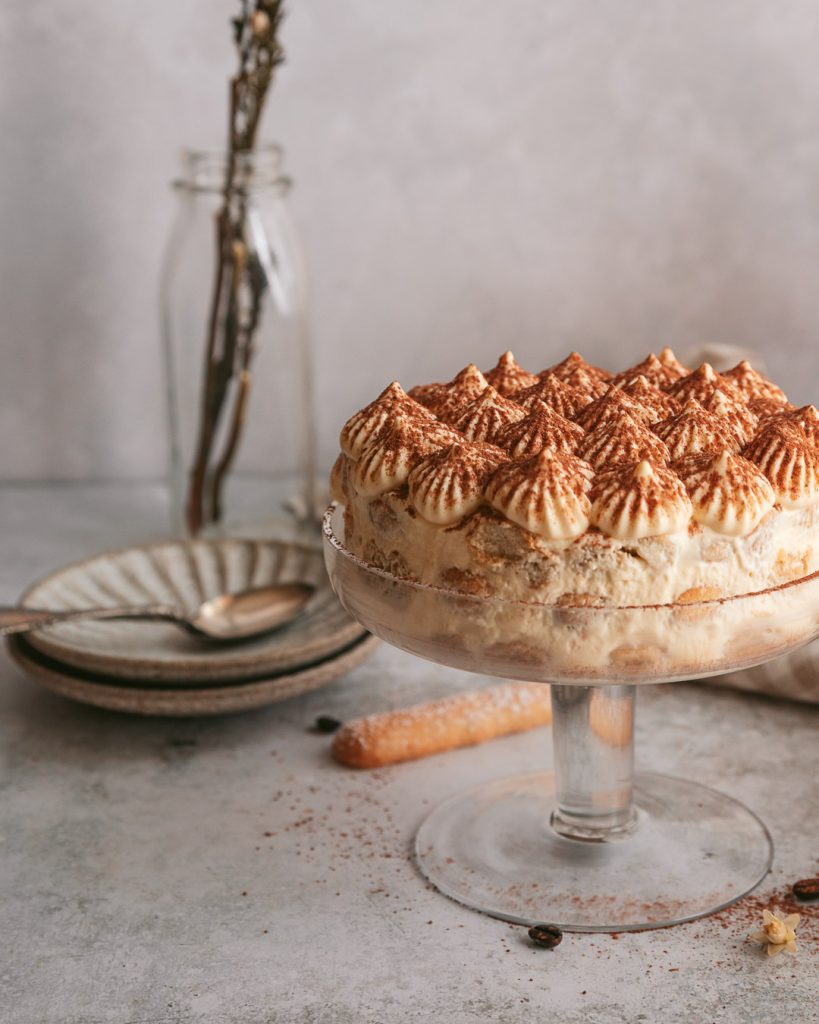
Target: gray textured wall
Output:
{"points": [[541, 174]]}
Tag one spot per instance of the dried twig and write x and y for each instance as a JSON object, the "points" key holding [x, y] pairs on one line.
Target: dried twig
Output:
{"points": [[239, 286]]}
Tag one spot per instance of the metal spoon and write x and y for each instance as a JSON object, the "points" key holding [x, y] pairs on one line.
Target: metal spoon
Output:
{"points": [[238, 616]]}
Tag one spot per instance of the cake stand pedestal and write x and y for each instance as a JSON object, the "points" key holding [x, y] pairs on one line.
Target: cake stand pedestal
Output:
{"points": [[592, 847]]}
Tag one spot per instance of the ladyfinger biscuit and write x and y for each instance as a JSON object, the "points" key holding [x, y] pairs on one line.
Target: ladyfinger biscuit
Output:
{"points": [[459, 721]]}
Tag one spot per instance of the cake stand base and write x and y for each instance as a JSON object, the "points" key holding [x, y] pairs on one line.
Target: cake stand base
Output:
{"points": [[693, 851]]}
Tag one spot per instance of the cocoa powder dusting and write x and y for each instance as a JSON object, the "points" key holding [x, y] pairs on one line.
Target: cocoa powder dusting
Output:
{"points": [[676, 413]]}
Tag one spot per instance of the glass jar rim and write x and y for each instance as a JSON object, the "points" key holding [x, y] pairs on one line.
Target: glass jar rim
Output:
{"points": [[204, 170]]}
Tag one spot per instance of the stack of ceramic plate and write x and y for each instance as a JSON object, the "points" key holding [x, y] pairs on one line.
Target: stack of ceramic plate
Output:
{"points": [[154, 668]]}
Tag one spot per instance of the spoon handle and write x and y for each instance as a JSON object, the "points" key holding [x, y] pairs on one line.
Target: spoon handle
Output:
{"points": [[22, 620]]}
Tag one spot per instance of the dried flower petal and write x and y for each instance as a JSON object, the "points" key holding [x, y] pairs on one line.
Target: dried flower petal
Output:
{"points": [[778, 933]]}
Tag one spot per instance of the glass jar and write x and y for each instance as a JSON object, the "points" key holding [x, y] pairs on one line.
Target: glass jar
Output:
{"points": [[234, 327]]}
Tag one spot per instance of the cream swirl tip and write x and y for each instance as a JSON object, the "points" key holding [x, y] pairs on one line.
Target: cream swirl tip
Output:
{"points": [[448, 486], [728, 493], [639, 500], [546, 494]]}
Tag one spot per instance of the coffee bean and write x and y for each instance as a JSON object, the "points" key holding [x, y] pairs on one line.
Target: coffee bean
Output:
{"points": [[546, 935], [806, 889], [325, 723]]}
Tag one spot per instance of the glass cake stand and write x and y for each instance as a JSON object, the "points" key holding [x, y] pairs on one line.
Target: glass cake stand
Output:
{"points": [[591, 846]]}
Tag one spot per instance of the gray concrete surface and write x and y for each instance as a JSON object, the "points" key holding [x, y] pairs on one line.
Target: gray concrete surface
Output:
{"points": [[610, 175], [228, 872]]}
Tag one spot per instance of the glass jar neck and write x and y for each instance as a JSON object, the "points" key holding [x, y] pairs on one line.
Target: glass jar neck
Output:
{"points": [[250, 171]]}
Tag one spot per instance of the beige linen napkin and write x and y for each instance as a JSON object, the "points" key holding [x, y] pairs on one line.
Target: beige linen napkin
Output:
{"points": [[796, 676]]}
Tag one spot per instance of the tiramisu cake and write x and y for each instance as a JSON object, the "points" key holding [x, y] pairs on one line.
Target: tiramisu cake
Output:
{"points": [[574, 487]]}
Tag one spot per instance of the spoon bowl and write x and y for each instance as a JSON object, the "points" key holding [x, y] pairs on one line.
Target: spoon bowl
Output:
{"points": [[250, 613]]}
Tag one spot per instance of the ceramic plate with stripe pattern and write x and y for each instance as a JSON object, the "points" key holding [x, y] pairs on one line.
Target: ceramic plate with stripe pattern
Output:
{"points": [[190, 700], [185, 573]]}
